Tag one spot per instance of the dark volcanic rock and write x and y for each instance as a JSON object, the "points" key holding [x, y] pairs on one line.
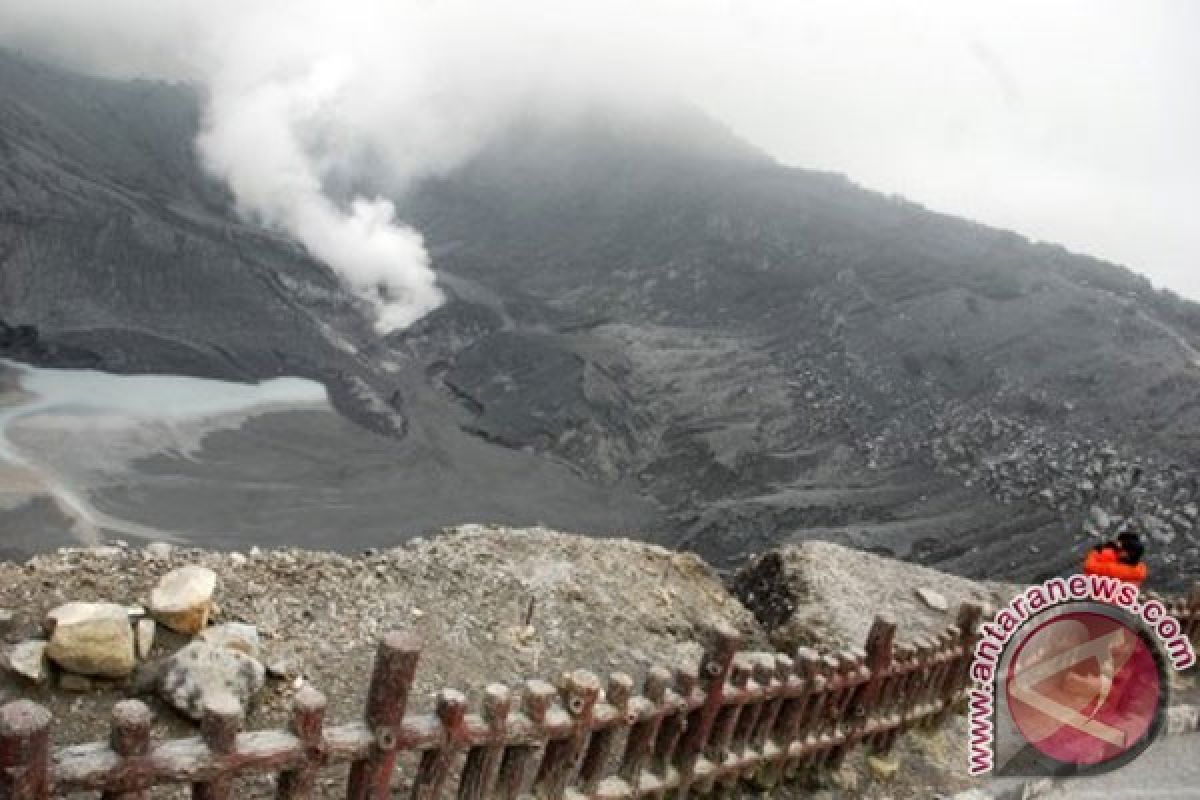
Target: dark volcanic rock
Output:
{"points": [[645, 308]]}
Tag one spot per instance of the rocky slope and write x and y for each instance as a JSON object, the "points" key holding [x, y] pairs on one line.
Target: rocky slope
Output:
{"points": [[651, 326]]}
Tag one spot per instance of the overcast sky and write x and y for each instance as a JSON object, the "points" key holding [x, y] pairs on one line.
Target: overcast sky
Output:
{"points": [[1072, 121]]}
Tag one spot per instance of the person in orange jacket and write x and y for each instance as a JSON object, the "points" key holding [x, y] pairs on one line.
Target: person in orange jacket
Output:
{"points": [[1118, 559]]}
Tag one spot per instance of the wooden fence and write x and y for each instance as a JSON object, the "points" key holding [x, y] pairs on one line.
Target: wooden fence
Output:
{"points": [[700, 730]]}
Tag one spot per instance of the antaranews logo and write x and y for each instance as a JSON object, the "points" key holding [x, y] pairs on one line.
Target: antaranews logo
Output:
{"points": [[1072, 678]]}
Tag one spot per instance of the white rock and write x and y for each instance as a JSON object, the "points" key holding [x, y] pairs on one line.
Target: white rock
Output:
{"points": [[146, 631], [934, 600], [201, 676], [183, 599], [237, 559], [6, 619], [233, 636], [159, 551], [28, 659], [91, 639]]}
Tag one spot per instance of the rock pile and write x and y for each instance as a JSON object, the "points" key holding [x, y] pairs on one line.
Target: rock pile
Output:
{"points": [[90, 643], [1098, 490]]}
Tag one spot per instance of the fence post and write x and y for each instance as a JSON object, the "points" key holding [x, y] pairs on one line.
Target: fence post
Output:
{"points": [[483, 762], [24, 751], [308, 720], [130, 739], [881, 640], [721, 741], [435, 764], [850, 666], [579, 692], [387, 698], [219, 728], [674, 726], [899, 693], [715, 669], [639, 745], [620, 691], [537, 699], [967, 626], [803, 721], [780, 683]]}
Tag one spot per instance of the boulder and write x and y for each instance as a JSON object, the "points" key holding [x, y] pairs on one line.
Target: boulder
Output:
{"points": [[28, 660], [6, 619], [202, 675], [183, 599], [824, 595], [91, 639], [233, 636]]}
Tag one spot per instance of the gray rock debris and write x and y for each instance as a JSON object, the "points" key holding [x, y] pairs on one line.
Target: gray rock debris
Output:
{"points": [[202, 675], [28, 660]]}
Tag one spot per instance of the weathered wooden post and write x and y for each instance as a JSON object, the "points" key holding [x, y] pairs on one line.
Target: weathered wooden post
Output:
{"points": [[308, 721], [618, 696], [720, 743], [24, 751], [851, 669], [779, 683], [967, 628], [881, 640], [639, 745], [537, 699], [715, 669], [675, 726], [780, 721], [944, 675], [579, 692], [802, 719], [219, 727], [436, 763], [483, 762], [898, 695], [763, 677], [130, 739], [387, 699]]}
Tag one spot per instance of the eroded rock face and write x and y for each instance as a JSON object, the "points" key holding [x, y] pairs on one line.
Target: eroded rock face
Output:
{"points": [[203, 675], [183, 599], [92, 639]]}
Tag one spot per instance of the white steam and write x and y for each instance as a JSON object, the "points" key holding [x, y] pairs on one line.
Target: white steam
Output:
{"points": [[303, 93], [254, 140]]}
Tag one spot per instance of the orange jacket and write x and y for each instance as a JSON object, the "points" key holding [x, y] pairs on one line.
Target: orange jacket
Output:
{"points": [[1104, 562]]}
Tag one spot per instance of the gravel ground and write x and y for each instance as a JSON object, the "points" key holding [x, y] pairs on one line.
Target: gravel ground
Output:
{"points": [[604, 605]]}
